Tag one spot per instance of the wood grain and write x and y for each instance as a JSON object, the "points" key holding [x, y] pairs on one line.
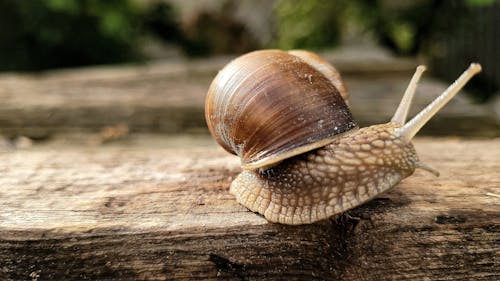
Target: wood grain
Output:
{"points": [[149, 213]]}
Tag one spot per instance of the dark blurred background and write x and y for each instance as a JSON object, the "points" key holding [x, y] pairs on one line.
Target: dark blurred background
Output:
{"points": [[43, 34]]}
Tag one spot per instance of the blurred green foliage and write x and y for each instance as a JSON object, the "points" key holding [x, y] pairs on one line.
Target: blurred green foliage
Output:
{"points": [[40, 34], [160, 19], [450, 34], [216, 32], [308, 24], [399, 27], [464, 32], [480, 2], [317, 24]]}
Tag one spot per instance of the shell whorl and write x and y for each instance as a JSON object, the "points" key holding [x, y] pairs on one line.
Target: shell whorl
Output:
{"points": [[267, 106], [323, 66]]}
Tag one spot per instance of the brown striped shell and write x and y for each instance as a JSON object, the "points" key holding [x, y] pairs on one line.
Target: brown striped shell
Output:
{"points": [[270, 105], [325, 68]]}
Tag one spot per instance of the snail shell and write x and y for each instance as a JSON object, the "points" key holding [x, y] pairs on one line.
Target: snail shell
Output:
{"points": [[270, 105]]}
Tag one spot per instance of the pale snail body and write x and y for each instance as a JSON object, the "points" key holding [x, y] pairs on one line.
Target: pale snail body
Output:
{"points": [[348, 172], [346, 169]]}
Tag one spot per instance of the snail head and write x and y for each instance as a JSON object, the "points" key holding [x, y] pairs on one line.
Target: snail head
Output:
{"points": [[405, 131]]}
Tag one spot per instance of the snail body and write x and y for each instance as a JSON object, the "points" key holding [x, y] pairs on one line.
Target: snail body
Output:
{"points": [[303, 157], [343, 174]]}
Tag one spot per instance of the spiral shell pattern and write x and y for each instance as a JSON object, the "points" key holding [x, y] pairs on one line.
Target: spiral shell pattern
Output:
{"points": [[270, 105]]}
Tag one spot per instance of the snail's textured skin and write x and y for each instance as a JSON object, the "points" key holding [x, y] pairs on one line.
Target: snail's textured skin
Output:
{"points": [[327, 181]]}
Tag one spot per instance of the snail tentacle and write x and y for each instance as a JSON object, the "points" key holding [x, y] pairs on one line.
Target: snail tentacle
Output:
{"points": [[410, 129], [401, 114], [426, 167]]}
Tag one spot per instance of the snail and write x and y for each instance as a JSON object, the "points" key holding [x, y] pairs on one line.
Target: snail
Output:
{"points": [[304, 159]]}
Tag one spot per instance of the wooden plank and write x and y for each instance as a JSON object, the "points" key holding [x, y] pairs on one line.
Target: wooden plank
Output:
{"points": [[169, 97], [135, 212]]}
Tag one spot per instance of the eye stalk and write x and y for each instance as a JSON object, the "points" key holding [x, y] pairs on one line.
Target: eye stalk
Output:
{"points": [[401, 114], [410, 129]]}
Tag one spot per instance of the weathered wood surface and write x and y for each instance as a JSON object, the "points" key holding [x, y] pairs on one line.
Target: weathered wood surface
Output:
{"points": [[142, 211], [169, 97]]}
